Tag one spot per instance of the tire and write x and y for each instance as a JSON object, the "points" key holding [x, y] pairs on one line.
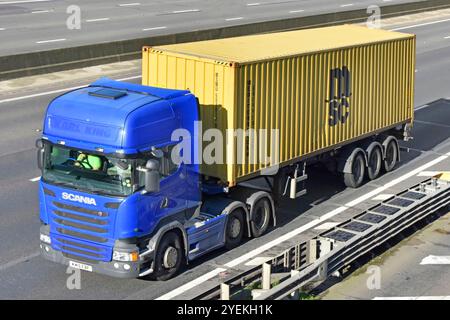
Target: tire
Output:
{"points": [[168, 258], [390, 156], [375, 159], [260, 217], [234, 230], [356, 178]]}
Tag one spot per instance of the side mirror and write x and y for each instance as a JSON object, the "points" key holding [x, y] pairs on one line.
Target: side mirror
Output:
{"points": [[152, 176], [40, 154]]}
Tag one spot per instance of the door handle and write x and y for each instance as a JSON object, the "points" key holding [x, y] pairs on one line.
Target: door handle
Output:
{"points": [[165, 202]]}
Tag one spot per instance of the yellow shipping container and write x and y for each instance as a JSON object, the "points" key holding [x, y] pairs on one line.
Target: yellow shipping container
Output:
{"points": [[321, 88]]}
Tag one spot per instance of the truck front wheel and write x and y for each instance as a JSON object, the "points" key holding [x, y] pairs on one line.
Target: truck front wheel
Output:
{"points": [[234, 230], [168, 258]]}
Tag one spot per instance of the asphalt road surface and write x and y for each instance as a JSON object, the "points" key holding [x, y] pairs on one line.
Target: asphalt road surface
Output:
{"points": [[37, 25], [24, 274]]}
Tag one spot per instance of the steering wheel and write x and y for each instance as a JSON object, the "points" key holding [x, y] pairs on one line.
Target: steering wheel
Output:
{"points": [[80, 164]]}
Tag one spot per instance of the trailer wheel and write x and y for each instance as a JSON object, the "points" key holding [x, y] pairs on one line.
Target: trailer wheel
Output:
{"points": [[375, 159], [234, 230], [391, 156], [168, 257], [355, 178], [260, 218]]}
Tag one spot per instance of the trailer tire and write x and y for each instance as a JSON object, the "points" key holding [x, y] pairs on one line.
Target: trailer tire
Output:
{"points": [[390, 156], [355, 178], [168, 258], [374, 163], [260, 217], [234, 230]]}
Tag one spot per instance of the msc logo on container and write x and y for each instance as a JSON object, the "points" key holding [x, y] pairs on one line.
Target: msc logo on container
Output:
{"points": [[77, 198], [339, 96]]}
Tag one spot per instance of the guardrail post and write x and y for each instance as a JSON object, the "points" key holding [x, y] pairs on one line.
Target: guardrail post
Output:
{"points": [[266, 276], [311, 251], [224, 291]]}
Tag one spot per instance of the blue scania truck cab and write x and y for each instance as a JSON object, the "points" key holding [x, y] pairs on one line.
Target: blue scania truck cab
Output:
{"points": [[114, 201]]}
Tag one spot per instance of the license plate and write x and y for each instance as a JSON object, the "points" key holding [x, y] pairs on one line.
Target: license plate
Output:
{"points": [[80, 266]]}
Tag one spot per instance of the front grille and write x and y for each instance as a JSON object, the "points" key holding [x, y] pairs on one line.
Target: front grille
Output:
{"points": [[79, 209], [75, 249], [81, 233]]}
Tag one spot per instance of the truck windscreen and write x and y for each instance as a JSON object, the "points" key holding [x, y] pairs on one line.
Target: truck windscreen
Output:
{"points": [[87, 172]]}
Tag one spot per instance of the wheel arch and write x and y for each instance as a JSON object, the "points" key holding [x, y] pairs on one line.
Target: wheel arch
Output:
{"points": [[172, 226], [346, 159], [386, 142]]}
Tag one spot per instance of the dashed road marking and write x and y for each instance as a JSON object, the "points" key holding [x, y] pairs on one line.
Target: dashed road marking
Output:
{"points": [[234, 19], [97, 20], [35, 179], [48, 41], [154, 28], [129, 4], [435, 260]]}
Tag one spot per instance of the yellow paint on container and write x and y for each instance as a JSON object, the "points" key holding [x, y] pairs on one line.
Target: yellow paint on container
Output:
{"points": [[295, 82]]}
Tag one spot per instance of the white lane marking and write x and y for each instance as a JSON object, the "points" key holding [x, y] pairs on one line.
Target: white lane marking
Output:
{"points": [[23, 1], [129, 4], [12, 263], [98, 19], [435, 260], [314, 223], [420, 25], [382, 197], [296, 11], [448, 37], [414, 298], [191, 284], [233, 19], [421, 107], [253, 4], [347, 5], [41, 11], [35, 179], [258, 261], [2, 29], [48, 41], [428, 173], [185, 11], [154, 28], [326, 226], [57, 91]]}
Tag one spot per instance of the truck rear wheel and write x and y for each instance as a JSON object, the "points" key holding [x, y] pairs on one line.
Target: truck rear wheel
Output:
{"points": [[260, 217], [168, 257], [375, 159], [355, 178], [391, 156], [234, 230]]}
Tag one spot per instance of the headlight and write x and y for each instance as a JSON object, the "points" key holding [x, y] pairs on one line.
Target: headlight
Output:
{"points": [[45, 238], [125, 256]]}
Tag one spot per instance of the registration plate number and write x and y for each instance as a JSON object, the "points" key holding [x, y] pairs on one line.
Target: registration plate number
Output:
{"points": [[80, 266]]}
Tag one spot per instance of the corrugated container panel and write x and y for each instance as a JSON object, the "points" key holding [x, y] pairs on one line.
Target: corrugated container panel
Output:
{"points": [[281, 81]]}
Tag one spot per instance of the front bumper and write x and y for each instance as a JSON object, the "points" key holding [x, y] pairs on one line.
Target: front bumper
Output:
{"points": [[116, 269]]}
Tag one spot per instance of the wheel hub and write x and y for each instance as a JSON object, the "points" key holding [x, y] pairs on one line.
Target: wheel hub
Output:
{"points": [[235, 228], [170, 257]]}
